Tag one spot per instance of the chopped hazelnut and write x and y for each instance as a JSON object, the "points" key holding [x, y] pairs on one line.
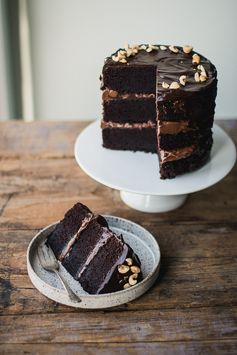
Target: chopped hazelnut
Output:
{"points": [[196, 58], [113, 93], [105, 95], [115, 58], [174, 85], [187, 49], [127, 285], [202, 77], [182, 79], [165, 85], [129, 261], [173, 49], [123, 269], [135, 269], [133, 279], [196, 77], [149, 49]]}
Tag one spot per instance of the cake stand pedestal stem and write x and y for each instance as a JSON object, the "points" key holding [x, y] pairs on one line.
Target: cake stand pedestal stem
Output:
{"points": [[152, 203]]}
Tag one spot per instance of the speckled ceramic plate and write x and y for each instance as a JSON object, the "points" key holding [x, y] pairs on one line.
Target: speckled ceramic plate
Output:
{"points": [[144, 245]]}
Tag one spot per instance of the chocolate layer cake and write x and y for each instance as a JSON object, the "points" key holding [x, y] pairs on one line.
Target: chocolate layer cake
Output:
{"points": [[160, 99], [95, 256]]}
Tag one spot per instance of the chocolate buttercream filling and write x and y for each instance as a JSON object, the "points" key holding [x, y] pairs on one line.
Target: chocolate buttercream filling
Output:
{"points": [[176, 154], [165, 127], [110, 124], [171, 127], [112, 94], [83, 226]]}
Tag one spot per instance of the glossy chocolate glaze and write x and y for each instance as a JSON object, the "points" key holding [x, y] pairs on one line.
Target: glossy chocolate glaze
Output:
{"points": [[170, 66]]}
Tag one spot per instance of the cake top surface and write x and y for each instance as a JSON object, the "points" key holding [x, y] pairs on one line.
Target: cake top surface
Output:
{"points": [[177, 67]]}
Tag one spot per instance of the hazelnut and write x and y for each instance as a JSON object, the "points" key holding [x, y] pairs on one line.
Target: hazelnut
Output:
{"points": [[187, 49], [143, 47], [201, 67], [163, 48], [173, 49], [196, 58], [129, 261], [123, 269], [202, 77], [129, 52], [105, 95], [115, 58], [113, 93], [165, 85], [153, 47], [196, 77], [174, 85], [182, 80], [133, 279], [127, 285], [123, 60], [149, 49], [135, 269], [120, 56]]}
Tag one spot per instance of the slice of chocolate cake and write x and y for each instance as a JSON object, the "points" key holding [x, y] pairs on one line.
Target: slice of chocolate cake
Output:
{"points": [[94, 255], [160, 99]]}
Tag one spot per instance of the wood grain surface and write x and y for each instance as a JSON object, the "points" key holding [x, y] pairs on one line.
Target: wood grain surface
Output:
{"points": [[192, 308]]}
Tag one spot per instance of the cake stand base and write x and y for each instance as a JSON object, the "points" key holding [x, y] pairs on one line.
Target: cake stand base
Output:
{"points": [[152, 203]]}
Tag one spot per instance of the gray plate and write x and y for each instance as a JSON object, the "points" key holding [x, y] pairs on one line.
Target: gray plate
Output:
{"points": [[142, 242]]}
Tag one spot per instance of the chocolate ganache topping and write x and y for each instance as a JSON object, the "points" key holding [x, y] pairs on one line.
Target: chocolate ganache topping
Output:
{"points": [[177, 67]]}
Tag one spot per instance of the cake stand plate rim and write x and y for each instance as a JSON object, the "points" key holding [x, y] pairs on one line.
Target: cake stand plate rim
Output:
{"points": [[95, 167]]}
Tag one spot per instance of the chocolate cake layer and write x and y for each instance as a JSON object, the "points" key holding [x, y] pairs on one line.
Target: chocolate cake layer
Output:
{"points": [[197, 159], [66, 230], [130, 139], [129, 79], [130, 110], [182, 139], [75, 259], [198, 107]]}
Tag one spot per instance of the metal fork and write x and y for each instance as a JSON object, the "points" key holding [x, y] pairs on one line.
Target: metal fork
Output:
{"points": [[50, 263]]}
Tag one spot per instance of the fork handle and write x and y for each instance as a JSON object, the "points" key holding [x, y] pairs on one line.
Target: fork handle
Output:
{"points": [[73, 297]]}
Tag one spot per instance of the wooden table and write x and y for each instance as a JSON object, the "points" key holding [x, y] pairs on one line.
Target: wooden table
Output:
{"points": [[192, 307]]}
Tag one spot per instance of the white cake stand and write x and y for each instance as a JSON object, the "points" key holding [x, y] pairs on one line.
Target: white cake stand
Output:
{"points": [[136, 175]]}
